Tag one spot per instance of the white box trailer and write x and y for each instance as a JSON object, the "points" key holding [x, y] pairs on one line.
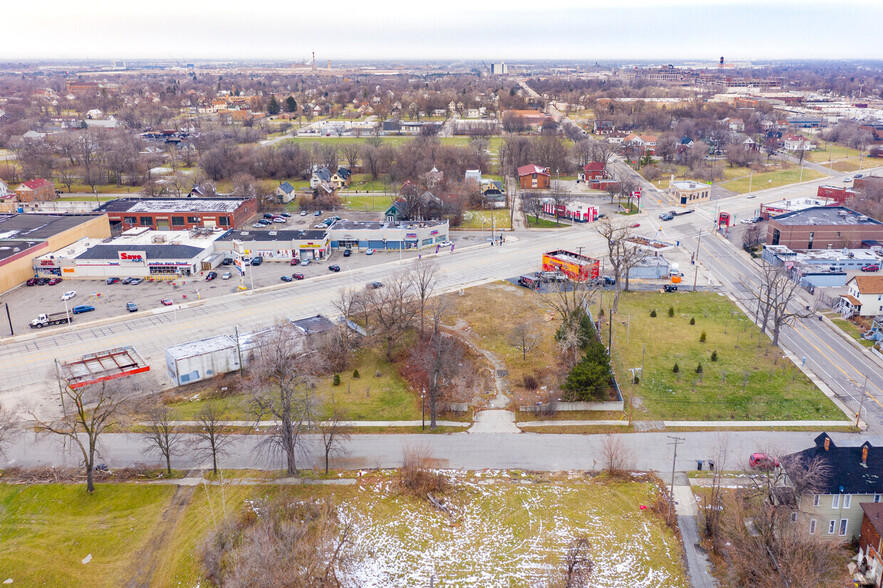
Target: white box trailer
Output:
{"points": [[200, 360]]}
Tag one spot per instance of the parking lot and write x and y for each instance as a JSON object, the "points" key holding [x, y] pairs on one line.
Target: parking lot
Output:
{"points": [[109, 300]]}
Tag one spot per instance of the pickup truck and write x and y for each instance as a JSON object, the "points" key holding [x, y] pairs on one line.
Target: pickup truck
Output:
{"points": [[55, 318]]}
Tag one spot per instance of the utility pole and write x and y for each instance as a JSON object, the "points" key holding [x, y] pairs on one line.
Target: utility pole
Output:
{"points": [[862, 403], [610, 333], [671, 494], [238, 348], [11, 330], [696, 273]]}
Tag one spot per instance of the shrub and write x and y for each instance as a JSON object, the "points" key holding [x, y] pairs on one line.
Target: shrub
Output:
{"points": [[653, 312], [714, 355], [355, 374], [637, 380], [590, 378], [530, 382], [671, 311], [415, 477], [336, 380], [676, 368], [699, 368], [702, 337], [692, 320]]}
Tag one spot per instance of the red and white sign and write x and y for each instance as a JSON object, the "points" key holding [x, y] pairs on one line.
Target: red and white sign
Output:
{"points": [[577, 211], [636, 194], [132, 255]]}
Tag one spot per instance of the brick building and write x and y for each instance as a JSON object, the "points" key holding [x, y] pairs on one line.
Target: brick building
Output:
{"points": [[35, 190], [534, 176], [180, 214], [823, 227], [837, 194]]}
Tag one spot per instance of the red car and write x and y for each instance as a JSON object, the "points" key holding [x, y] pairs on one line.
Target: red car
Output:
{"points": [[871, 268], [166, 302], [54, 281], [294, 261], [636, 225], [763, 461], [297, 276]]}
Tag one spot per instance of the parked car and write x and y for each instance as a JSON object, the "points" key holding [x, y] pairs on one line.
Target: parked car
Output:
{"points": [[257, 226], [53, 281], [211, 276], [635, 226], [269, 215], [69, 294], [856, 176], [445, 244], [347, 252], [112, 281], [303, 213], [136, 281], [294, 261], [227, 261], [226, 276], [285, 214], [608, 281], [131, 307], [369, 252], [297, 276], [279, 219], [305, 262], [873, 267], [166, 302], [42, 281], [847, 180], [126, 281], [763, 461], [257, 260], [264, 222], [31, 282], [334, 268], [670, 288], [82, 308], [318, 213], [374, 285], [285, 278]]}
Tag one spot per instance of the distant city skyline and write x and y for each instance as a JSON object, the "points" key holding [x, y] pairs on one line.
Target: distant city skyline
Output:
{"points": [[517, 30]]}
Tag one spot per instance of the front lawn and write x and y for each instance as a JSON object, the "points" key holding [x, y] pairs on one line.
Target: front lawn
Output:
{"points": [[774, 179], [544, 223], [749, 381]]}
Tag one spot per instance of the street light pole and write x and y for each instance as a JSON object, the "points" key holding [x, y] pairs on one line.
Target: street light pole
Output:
{"points": [[423, 415], [671, 492]]}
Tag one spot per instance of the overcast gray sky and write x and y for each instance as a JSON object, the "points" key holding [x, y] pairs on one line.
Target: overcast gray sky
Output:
{"points": [[452, 29]]}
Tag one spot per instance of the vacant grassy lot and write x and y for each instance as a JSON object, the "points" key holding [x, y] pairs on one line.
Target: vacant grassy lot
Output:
{"points": [[831, 152], [544, 223], [367, 398], [852, 330], [47, 530], [367, 203], [774, 179], [491, 313], [483, 219], [749, 380], [512, 530]]}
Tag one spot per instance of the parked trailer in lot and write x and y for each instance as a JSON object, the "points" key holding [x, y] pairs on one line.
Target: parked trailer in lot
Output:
{"points": [[580, 268], [200, 360]]}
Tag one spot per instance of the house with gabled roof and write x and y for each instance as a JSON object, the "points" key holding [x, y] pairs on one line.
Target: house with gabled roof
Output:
{"points": [[534, 177], [341, 178], [864, 296], [852, 476], [285, 192], [320, 174], [36, 190]]}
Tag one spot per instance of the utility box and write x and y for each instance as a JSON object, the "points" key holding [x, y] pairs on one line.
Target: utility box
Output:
{"points": [[200, 360]]}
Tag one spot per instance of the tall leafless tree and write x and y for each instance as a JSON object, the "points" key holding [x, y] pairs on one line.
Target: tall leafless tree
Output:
{"points": [[524, 337], [88, 412], [212, 437], [162, 434], [334, 431], [8, 428], [439, 356], [622, 254], [423, 276], [393, 309], [777, 300], [282, 388], [578, 564]]}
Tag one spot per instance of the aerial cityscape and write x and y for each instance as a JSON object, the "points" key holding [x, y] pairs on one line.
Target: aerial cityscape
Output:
{"points": [[466, 297]]}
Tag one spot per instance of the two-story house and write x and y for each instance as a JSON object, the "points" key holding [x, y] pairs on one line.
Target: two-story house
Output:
{"points": [[534, 176], [854, 475], [285, 192], [320, 175], [341, 178], [864, 296], [36, 190]]}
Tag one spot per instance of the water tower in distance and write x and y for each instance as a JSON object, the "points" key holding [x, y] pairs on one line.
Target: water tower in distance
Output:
{"points": [[722, 61]]}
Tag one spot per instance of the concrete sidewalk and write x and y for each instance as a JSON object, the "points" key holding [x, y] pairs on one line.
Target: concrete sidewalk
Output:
{"points": [[344, 423], [698, 566]]}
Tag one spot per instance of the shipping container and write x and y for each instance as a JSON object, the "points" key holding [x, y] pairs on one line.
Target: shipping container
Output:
{"points": [[200, 360]]}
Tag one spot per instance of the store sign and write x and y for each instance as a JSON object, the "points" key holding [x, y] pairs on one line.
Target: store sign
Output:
{"points": [[47, 262], [433, 233], [67, 270], [132, 255], [410, 235]]}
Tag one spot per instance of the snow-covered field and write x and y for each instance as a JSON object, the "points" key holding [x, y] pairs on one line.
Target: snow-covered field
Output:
{"points": [[511, 530]]}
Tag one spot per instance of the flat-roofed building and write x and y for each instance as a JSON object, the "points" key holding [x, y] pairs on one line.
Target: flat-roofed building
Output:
{"points": [[823, 227], [179, 213]]}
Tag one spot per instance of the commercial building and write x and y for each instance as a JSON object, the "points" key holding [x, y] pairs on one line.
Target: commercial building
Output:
{"points": [[24, 237], [578, 211], [837, 194], [276, 245], [823, 227], [689, 192], [792, 205], [179, 214], [138, 253], [386, 236]]}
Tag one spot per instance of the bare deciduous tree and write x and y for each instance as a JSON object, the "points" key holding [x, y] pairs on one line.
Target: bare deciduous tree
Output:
{"points": [[162, 435], [616, 458], [622, 253], [8, 428], [88, 412], [777, 300], [281, 388], [393, 309], [578, 564], [439, 356], [423, 278], [524, 337], [335, 432], [212, 437]]}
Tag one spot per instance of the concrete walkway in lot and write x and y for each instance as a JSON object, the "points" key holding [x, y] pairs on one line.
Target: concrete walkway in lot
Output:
{"points": [[343, 423], [698, 566], [494, 421]]}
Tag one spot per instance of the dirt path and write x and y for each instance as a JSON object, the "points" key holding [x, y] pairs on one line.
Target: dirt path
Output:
{"points": [[150, 555]]}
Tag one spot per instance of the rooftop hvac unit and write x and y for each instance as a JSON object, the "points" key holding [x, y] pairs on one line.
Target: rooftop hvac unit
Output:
{"points": [[158, 239], [862, 219], [842, 213]]}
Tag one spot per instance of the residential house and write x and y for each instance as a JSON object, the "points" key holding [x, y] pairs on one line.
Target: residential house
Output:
{"points": [[603, 127], [472, 174], [4, 190], [853, 478], [434, 177], [864, 296], [644, 144], [797, 143], [534, 177], [735, 124], [320, 176], [593, 171], [493, 194], [869, 571], [35, 190], [397, 211], [341, 178], [285, 192]]}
